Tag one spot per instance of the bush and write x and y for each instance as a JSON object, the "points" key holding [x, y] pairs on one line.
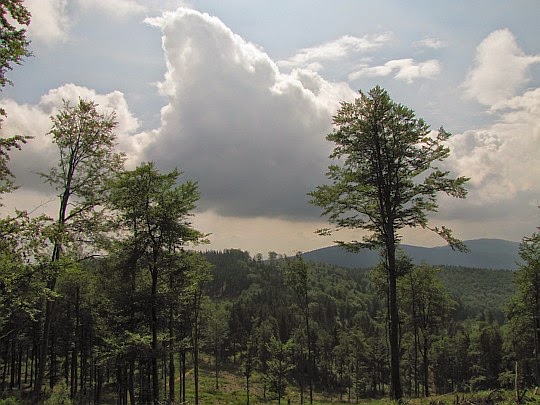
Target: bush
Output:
{"points": [[9, 401], [59, 395]]}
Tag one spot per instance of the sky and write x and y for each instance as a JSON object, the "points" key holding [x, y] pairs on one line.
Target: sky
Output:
{"points": [[239, 95]]}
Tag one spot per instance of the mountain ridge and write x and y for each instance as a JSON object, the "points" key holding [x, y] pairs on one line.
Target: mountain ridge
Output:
{"points": [[483, 253]]}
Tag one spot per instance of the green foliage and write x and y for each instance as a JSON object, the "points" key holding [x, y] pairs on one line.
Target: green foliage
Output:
{"points": [[10, 401], [14, 18], [59, 395], [387, 179], [279, 366], [85, 141], [478, 293], [523, 331]]}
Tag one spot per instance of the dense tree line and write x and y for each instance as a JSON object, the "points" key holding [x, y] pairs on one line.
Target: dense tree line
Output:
{"points": [[444, 346], [244, 314]]}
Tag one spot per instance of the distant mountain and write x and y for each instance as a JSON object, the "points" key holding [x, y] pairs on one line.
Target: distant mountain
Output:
{"points": [[483, 253]]}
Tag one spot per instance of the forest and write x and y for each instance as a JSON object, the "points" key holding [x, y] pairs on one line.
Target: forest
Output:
{"points": [[115, 300], [229, 314]]}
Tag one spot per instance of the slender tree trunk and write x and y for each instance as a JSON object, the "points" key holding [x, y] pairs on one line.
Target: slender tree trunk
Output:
{"points": [[13, 367], [247, 389], [32, 363], [131, 381], [196, 369], [52, 365], [395, 382], [155, 372], [302, 374], [416, 338], [183, 376], [19, 366], [75, 351], [537, 328], [99, 383], [195, 339], [44, 343], [426, 366], [171, 356], [49, 304], [216, 370], [26, 364], [180, 372], [311, 363], [5, 368]]}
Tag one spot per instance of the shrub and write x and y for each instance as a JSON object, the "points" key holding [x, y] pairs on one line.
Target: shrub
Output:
{"points": [[59, 395]]}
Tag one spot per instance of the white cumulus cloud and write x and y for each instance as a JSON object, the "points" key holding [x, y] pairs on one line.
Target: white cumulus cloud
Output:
{"points": [[432, 43], [500, 70], [252, 136], [406, 70], [334, 50], [502, 159], [116, 8], [50, 20]]}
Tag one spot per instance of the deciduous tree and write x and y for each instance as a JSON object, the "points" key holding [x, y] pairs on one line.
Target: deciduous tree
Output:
{"points": [[385, 179], [297, 279], [85, 141], [154, 212], [14, 18], [524, 311]]}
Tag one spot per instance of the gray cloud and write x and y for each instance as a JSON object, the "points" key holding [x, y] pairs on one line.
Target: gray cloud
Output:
{"points": [[253, 137]]}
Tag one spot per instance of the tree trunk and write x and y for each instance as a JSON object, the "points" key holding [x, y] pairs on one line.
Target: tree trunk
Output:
{"points": [[181, 375], [13, 367], [75, 352], [51, 284], [155, 373], [44, 343], [426, 367], [171, 356], [537, 328], [196, 372], [216, 352], [4, 369], [416, 338], [183, 362], [247, 389], [395, 382], [131, 381], [195, 339], [99, 384], [171, 376], [52, 365], [311, 365]]}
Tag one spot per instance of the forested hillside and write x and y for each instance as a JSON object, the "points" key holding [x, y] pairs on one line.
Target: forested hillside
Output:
{"points": [[466, 312], [250, 319]]}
